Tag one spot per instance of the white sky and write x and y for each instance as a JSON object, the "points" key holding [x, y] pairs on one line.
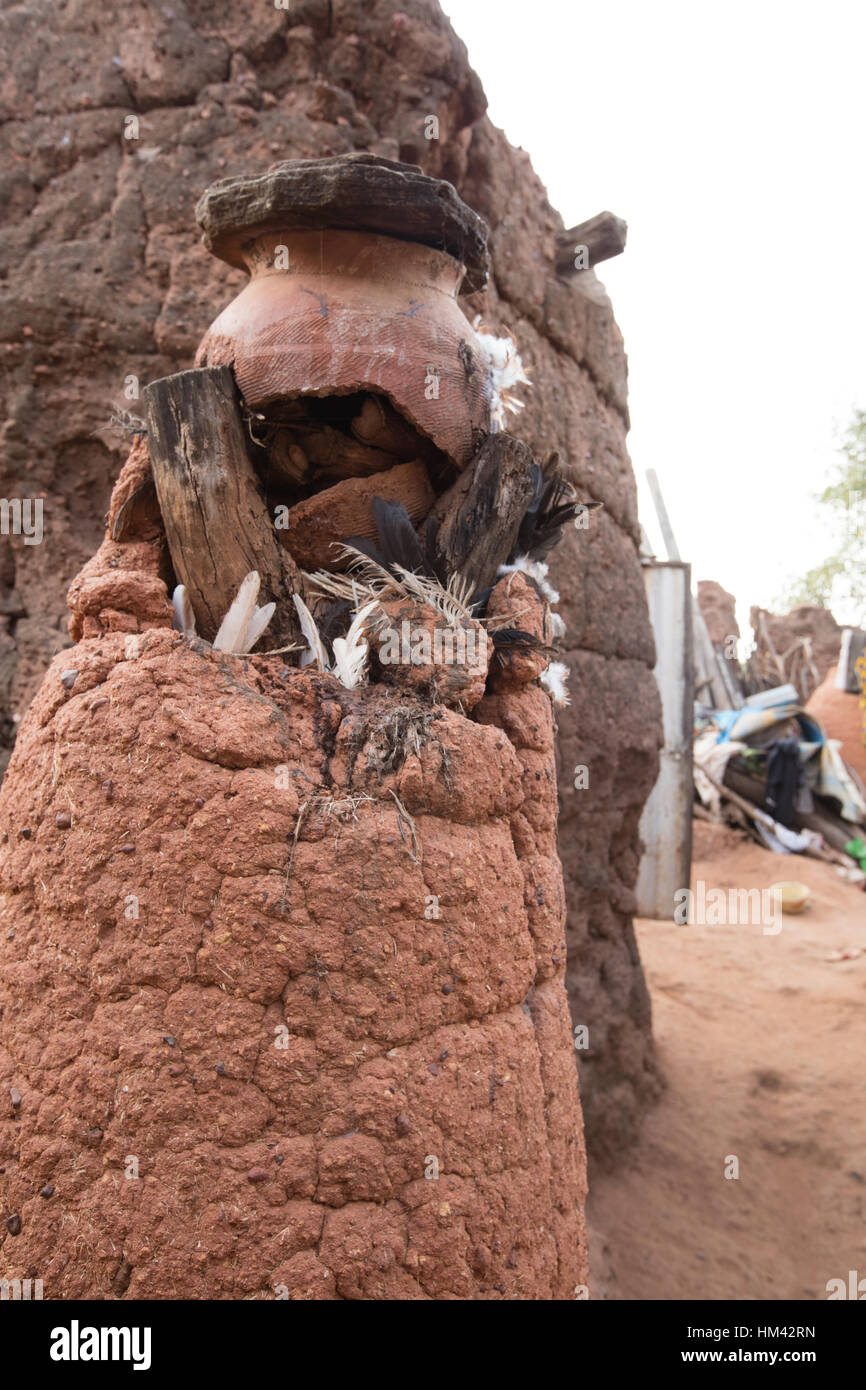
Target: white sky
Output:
{"points": [[730, 138]]}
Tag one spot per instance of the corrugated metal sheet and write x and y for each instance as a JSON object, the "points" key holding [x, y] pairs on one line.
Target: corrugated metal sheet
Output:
{"points": [[666, 824]]}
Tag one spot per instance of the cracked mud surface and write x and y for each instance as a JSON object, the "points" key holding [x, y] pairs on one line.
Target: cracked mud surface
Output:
{"points": [[281, 974]]}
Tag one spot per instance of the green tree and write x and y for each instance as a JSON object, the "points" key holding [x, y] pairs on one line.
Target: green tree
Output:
{"points": [[841, 579]]}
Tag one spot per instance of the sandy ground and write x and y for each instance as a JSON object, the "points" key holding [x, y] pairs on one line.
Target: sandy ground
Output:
{"points": [[763, 1042]]}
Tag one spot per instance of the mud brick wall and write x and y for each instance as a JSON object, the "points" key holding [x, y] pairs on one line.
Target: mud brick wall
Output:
{"points": [[784, 629], [104, 284]]}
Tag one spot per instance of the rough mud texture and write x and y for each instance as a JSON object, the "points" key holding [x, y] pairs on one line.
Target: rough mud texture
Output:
{"points": [[818, 624], [228, 1072], [719, 610], [104, 279], [327, 519]]}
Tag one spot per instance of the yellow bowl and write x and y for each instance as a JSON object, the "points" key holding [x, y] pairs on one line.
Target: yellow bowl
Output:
{"points": [[794, 897]]}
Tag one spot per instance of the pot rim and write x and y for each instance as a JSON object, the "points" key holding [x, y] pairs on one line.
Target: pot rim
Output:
{"points": [[356, 192]]}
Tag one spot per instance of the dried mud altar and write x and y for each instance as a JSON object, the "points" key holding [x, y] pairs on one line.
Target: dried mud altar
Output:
{"points": [[105, 280]]}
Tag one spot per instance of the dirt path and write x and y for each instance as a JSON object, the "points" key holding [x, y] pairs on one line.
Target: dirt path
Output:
{"points": [[763, 1042]]}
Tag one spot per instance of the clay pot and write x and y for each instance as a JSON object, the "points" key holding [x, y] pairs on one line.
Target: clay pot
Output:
{"points": [[355, 264], [356, 312]]}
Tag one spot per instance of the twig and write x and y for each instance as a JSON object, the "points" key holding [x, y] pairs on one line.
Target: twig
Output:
{"points": [[403, 815], [298, 824]]}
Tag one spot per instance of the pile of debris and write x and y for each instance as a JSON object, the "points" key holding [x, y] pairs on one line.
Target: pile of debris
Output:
{"points": [[797, 648], [778, 745], [771, 768]]}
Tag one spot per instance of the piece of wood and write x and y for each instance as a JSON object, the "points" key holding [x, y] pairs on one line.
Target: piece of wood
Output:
{"points": [[216, 520], [667, 529], [478, 518], [603, 236], [768, 642]]}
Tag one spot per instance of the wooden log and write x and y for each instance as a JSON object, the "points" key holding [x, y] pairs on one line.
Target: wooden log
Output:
{"points": [[478, 518], [603, 236], [216, 520], [667, 529]]}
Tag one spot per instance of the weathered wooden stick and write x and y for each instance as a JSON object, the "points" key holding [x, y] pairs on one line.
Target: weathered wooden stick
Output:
{"points": [[480, 514], [216, 519], [603, 236]]}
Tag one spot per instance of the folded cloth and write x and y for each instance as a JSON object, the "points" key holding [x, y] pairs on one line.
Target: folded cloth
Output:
{"points": [[783, 779]]}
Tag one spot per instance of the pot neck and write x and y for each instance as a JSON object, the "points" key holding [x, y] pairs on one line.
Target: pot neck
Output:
{"points": [[354, 254]]}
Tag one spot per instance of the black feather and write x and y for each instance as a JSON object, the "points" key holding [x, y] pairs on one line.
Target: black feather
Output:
{"points": [[554, 504], [398, 540], [479, 600], [516, 637], [435, 563]]}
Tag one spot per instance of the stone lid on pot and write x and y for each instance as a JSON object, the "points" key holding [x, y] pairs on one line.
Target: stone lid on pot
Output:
{"points": [[360, 192]]}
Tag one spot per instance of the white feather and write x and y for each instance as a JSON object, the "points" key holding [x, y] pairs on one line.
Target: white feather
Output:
{"points": [[369, 580], [557, 626], [233, 627], [256, 626], [553, 678], [504, 372], [184, 618], [534, 569], [316, 650], [350, 652]]}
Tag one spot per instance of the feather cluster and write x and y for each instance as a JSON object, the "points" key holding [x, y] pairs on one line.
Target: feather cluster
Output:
{"points": [[504, 373], [350, 652], [554, 678], [370, 581], [243, 624], [553, 504], [184, 618]]}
